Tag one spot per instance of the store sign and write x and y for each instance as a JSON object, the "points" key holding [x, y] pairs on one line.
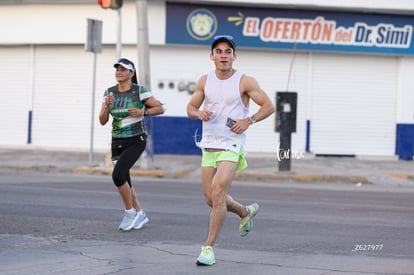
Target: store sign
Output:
{"points": [[287, 29]]}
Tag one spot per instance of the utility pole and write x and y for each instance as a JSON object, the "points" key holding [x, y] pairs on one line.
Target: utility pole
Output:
{"points": [[144, 78], [143, 44], [119, 35], [94, 45]]}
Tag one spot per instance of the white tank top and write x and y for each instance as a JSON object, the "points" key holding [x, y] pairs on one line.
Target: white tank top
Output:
{"points": [[222, 97]]}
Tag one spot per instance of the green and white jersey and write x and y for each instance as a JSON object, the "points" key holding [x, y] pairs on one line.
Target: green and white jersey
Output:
{"points": [[123, 125]]}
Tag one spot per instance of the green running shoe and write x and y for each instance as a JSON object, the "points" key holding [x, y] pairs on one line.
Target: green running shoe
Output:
{"points": [[206, 256], [246, 223], [128, 221]]}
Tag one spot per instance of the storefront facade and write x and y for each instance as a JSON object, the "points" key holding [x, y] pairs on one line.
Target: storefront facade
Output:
{"points": [[350, 70]]}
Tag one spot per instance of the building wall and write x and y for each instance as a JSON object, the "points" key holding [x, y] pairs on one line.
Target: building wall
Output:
{"points": [[347, 103]]}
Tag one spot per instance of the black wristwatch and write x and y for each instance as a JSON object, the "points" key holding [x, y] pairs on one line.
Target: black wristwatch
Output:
{"points": [[146, 113]]}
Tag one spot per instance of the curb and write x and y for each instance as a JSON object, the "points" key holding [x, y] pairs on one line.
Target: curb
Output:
{"points": [[401, 176], [302, 177], [241, 176], [108, 171], [149, 173], [159, 173]]}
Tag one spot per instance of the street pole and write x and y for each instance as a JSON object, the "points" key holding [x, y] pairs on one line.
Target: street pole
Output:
{"points": [[93, 109], [144, 67], [143, 44], [94, 45], [119, 35]]}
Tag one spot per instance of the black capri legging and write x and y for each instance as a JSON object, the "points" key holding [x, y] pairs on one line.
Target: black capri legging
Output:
{"points": [[125, 152]]}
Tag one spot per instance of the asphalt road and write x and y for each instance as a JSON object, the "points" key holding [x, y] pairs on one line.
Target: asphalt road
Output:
{"points": [[301, 228]]}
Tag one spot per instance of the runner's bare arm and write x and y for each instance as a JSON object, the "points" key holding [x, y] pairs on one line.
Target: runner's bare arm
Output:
{"points": [[193, 107], [251, 89]]}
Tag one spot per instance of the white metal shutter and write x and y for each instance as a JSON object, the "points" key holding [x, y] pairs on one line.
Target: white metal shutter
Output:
{"points": [[353, 105], [62, 97], [62, 111], [16, 101]]}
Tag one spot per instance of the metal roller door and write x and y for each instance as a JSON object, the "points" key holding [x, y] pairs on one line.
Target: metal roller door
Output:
{"points": [[353, 101], [16, 81]]}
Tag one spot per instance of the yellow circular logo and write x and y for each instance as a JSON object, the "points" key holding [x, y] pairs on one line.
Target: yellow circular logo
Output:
{"points": [[201, 24]]}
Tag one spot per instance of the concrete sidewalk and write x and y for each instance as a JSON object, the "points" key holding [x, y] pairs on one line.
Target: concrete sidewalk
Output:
{"points": [[263, 167], [106, 257]]}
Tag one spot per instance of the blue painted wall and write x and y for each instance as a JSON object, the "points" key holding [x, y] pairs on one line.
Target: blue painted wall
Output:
{"points": [[405, 141], [175, 135], [308, 129]]}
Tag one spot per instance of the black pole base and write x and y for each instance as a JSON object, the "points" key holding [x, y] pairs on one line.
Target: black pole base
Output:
{"points": [[284, 152]]}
